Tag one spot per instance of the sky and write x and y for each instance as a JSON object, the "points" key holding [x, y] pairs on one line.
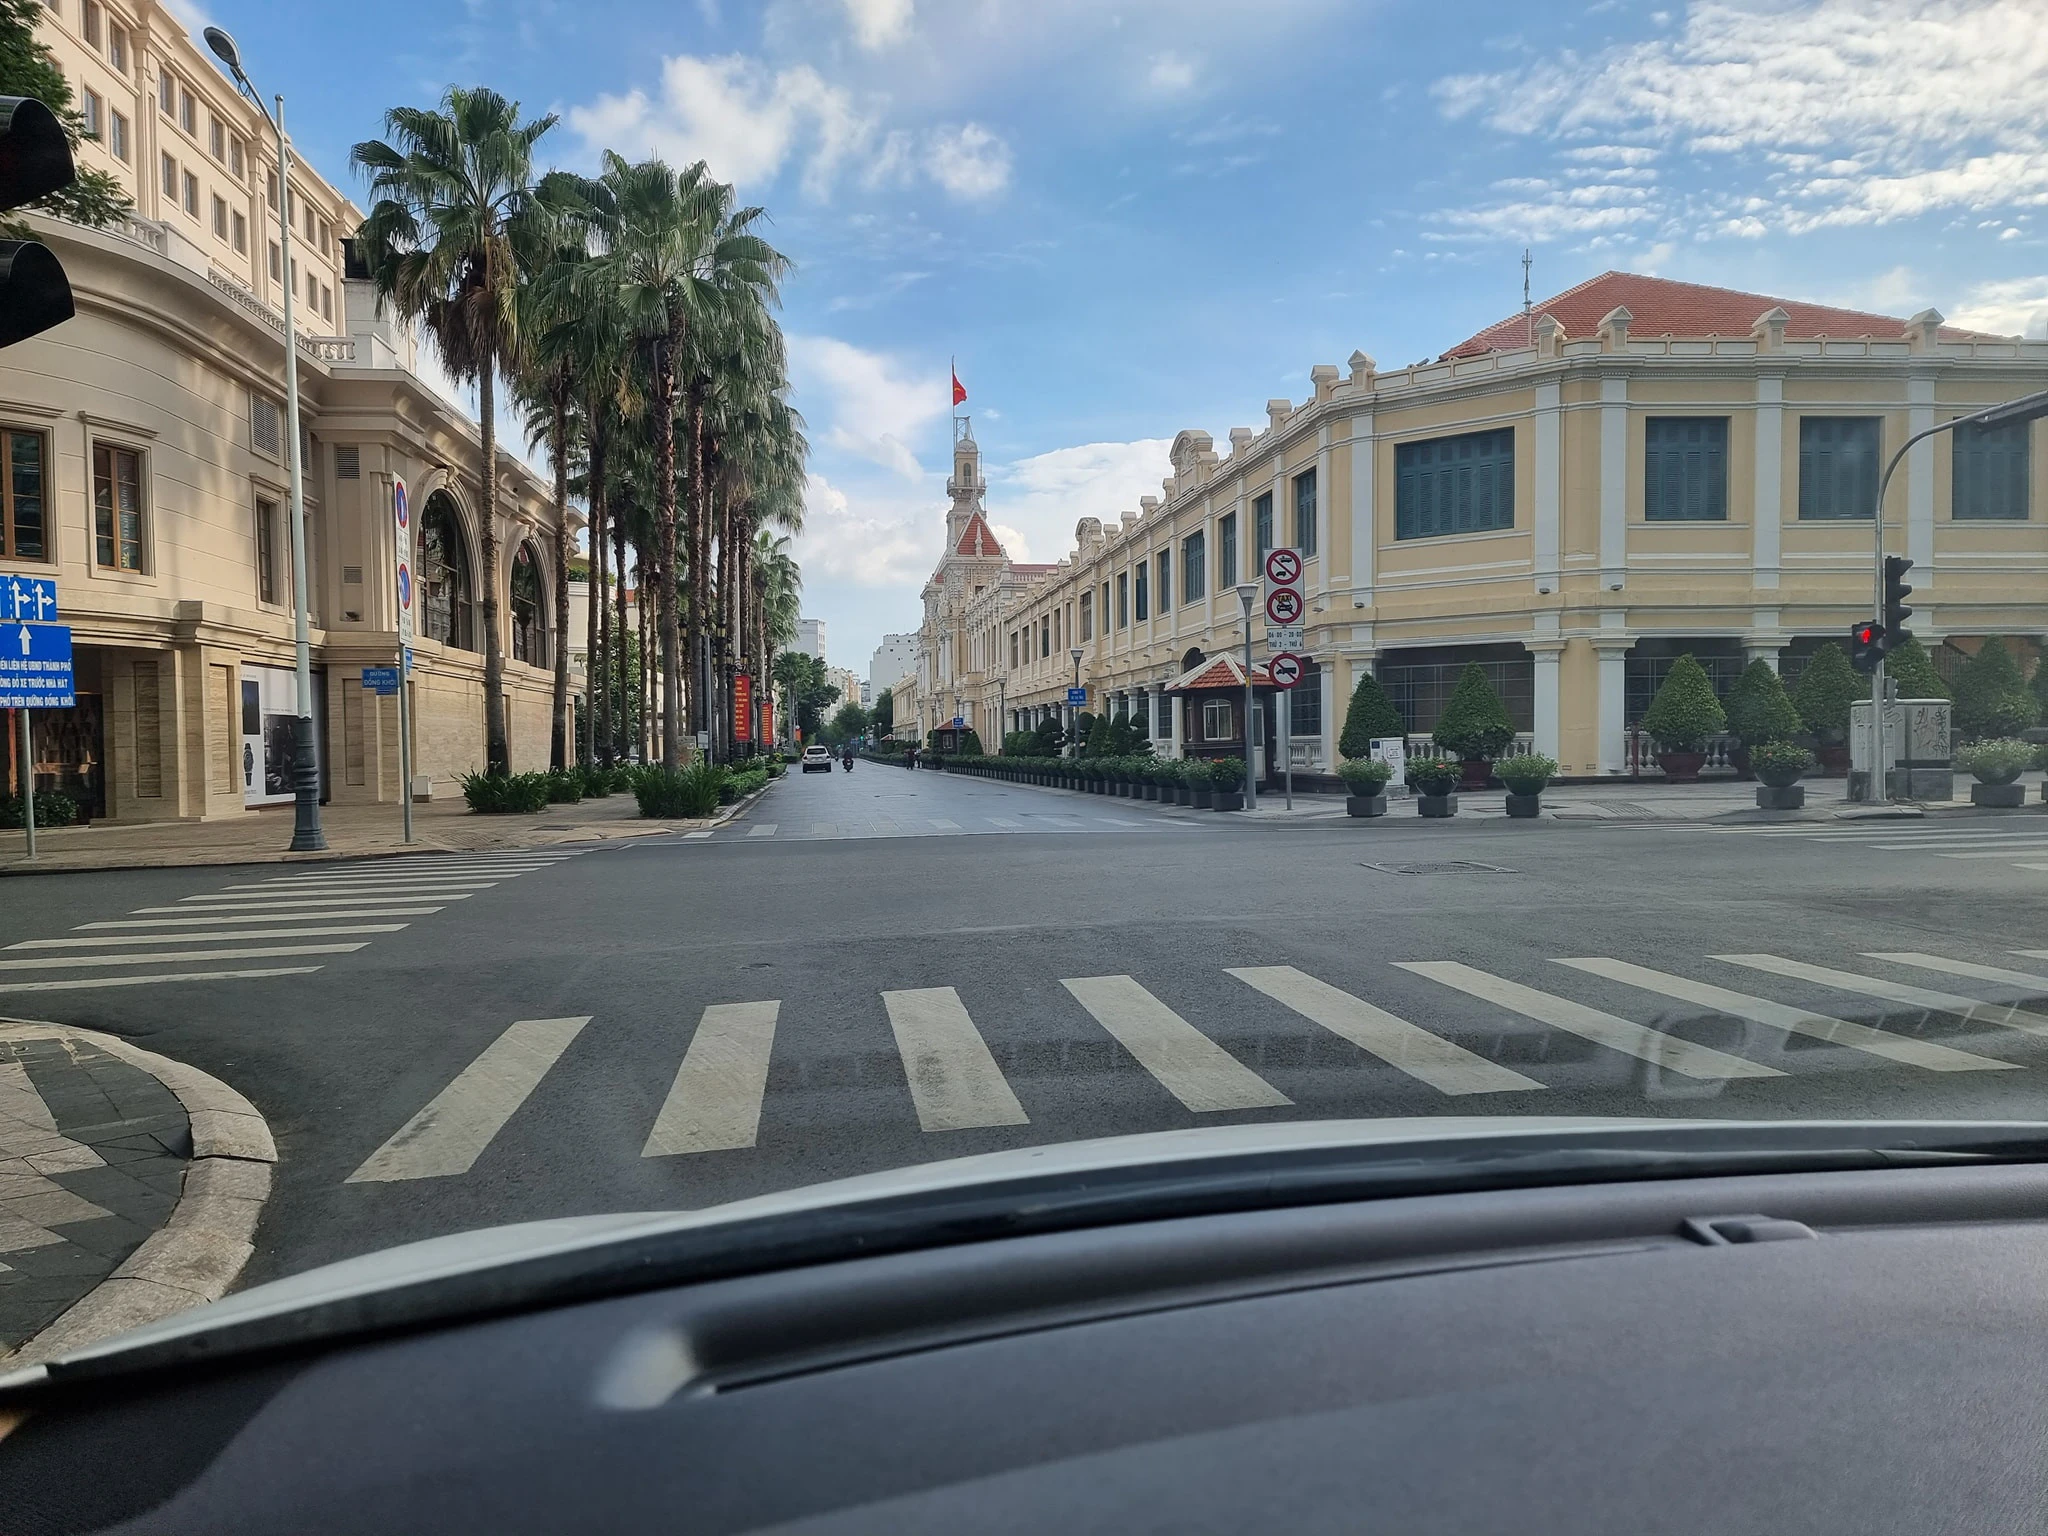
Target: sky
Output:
{"points": [[1129, 217]]}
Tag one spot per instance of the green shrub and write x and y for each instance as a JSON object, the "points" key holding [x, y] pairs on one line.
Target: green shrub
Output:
{"points": [[1685, 713], [566, 787], [1992, 701], [1097, 741], [1475, 723], [1909, 666], [1226, 773], [1526, 774], [1434, 775], [970, 743], [1827, 688], [1364, 775], [1779, 763], [1997, 761], [54, 808], [670, 793], [595, 782], [501, 794], [1759, 710], [1372, 715]]}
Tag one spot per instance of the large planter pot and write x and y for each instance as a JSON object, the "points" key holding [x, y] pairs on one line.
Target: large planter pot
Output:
{"points": [[1183, 794], [1478, 773], [1151, 790], [1365, 805], [1524, 807], [1227, 799], [1435, 806], [1834, 760], [2001, 795], [1203, 799], [1682, 767], [1780, 797]]}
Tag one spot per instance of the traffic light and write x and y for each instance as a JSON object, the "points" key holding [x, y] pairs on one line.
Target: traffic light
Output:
{"points": [[35, 160], [1866, 645], [1895, 610]]}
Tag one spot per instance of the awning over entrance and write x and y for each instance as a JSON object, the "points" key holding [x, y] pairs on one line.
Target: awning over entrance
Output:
{"points": [[1219, 672]]}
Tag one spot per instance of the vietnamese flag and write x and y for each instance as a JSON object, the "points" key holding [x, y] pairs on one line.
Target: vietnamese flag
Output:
{"points": [[959, 389]]}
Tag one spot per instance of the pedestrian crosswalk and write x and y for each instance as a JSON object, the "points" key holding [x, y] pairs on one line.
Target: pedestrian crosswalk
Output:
{"points": [[2013, 840], [341, 906], [849, 826], [1433, 1031]]}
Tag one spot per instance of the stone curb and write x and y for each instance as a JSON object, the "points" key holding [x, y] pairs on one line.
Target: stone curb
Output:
{"points": [[196, 1255]]}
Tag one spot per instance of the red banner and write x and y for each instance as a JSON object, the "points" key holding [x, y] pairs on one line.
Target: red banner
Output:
{"points": [[743, 707]]}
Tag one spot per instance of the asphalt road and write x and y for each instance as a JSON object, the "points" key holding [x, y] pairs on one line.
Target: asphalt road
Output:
{"points": [[911, 966]]}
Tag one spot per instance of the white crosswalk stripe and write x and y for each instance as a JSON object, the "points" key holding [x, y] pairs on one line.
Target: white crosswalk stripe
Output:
{"points": [[1187, 1063], [1916, 1053], [60, 962], [450, 1134], [2004, 975], [242, 915], [764, 829], [1681, 1056], [207, 937], [362, 887], [76, 982], [2034, 849], [1434, 1060], [714, 1104], [954, 1080], [230, 902], [1895, 992]]}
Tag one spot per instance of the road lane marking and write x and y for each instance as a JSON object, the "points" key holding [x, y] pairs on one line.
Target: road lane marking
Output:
{"points": [[239, 915], [765, 829], [365, 887], [57, 962], [954, 1080], [1116, 821], [1610, 1030], [146, 981], [222, 903], [1007, 823], [1896, 992], [693, 836], [2008, 851], [1818, 1026], [714, 1104], [1403, 1046], [2011, 978], [1188, 1064], [195, 938], [822, 829], [448, 1136], [940, 824]]}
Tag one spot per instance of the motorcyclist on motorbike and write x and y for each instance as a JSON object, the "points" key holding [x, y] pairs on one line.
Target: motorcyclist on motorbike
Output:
{"points": [[846, 759]]}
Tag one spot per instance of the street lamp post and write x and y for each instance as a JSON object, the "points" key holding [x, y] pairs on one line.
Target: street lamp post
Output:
{"points": [[2024, 409], [1248, 594], [1073, 709], [306, 834]]}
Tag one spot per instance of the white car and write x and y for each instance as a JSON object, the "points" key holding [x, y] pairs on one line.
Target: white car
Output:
{"points": [[817, 757]]}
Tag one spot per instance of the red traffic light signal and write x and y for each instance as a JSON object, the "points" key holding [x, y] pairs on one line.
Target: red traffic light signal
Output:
{"points": [[1866, 645]]}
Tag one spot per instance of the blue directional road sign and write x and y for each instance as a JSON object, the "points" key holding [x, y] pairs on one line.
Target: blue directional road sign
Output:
{"points": [[35, 667], [1077, 695], [381, 679], [30, 599]]}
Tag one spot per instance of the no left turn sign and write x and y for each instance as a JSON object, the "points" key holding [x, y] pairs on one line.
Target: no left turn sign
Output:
{"points": [[1287, 669], [1283, 567], [1283, 606]]}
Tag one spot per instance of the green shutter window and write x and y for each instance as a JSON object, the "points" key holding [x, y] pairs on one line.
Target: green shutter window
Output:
{"points": [[1226, 551], [1164, 596], [1193, 578], [1138, 605], [1991, 473], [1837, 467], [1262, 517], [1305, 513], [1463, 484], [1685, 469]]}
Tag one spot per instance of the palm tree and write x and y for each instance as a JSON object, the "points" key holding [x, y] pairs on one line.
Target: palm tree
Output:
{"points": [[457, 220]]}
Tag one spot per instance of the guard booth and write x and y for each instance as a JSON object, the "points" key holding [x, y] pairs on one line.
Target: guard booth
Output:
{"points": [[1210, 696], [946, 739]]}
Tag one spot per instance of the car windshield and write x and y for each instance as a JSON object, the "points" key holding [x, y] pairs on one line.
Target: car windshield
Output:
{"points": [[618, 608]]}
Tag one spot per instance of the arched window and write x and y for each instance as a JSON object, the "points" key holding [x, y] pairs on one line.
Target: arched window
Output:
{"points": [[526, 626], [443, 560]]}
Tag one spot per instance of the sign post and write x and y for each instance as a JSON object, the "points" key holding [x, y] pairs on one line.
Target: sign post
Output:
{"points": [[401, 526], [35, 673], [1284, 610]]}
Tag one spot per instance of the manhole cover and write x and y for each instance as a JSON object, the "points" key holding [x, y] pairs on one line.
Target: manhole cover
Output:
{"points": [[1459, 867]]}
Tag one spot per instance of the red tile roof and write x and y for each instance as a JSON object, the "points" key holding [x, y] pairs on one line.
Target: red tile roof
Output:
{"points": [[978, 542], [1662, 307], [1219, 672]]}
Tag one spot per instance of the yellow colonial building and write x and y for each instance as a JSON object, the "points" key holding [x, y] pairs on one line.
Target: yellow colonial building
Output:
{"points": [[1630, 471], [146, 470]]}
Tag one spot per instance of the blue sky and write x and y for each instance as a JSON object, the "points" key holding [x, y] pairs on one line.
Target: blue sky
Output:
{"points": [[1130, 218]]}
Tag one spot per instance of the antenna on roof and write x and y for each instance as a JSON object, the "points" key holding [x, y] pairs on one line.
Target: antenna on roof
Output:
{"points": [[1528, 321]]}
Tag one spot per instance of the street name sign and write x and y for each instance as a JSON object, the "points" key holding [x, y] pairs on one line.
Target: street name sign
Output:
{"points": [[381, 679], [1287, 669], [1289, 638], [35, 667], [1077, 695], [28, 599]]}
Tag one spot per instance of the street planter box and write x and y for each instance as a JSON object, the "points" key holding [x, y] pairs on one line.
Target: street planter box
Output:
{"points": [[2002, 796], [1203, 799], [1228, 799], [1183, 794], [1436, 806], [1365, 805], [1151, 790], [1774, 797], [1524, 807]]}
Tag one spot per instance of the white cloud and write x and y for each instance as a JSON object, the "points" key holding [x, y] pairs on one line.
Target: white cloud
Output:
{"points": [[877, 544], [968, 161], [878, 23], [1857, 111], [2009, 307], [873, 409], [1170, 74], [1040, 498]]}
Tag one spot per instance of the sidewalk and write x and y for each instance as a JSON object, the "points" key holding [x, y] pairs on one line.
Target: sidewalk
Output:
{"points": [[352, 831]]}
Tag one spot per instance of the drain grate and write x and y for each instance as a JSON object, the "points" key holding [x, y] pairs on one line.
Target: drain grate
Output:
{"points": [[1458, 867]]}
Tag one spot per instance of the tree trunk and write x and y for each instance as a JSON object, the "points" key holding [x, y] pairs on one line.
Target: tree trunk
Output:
{"points": [[597, 642], [615, 688], [700, 560], [665, 496], [558, 744], [728, 627], [643, 732], [497, 744]]}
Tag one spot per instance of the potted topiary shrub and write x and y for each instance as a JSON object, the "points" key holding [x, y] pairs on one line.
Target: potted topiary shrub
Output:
{"points": [[1759, 710], [1184, 781], [1475, 725], [1366, 780], [1435, 782], [1525, 777], [1995, 765], [1779, 764], [1683, 718], [1992, 702], [1226, 778], [1201, 784], [1371, 717], [1827, 688]]}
